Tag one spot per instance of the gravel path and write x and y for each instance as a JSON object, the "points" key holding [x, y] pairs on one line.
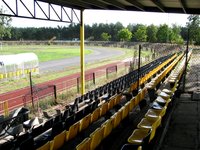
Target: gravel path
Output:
{"points": [[97, 54]]}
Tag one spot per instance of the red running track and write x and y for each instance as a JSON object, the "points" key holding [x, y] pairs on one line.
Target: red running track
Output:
{"points": [[16, 98]]}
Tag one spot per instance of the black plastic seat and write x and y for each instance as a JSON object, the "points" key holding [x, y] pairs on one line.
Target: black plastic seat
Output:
{"points": [[79, 115], [27, 144], [48, 124], [37, 131], [69, 121], [56, 129]]}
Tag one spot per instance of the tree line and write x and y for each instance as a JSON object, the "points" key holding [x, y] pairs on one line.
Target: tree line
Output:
{"points": [[102, 32]]}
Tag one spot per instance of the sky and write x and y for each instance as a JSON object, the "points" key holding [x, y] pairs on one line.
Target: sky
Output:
{"points": [[108, 16]]}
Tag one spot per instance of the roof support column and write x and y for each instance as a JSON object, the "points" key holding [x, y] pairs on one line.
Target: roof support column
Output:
{"points": [[82, 52]]}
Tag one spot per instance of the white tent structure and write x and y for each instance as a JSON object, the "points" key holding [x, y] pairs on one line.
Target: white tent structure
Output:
{"points": [[18, 65]]}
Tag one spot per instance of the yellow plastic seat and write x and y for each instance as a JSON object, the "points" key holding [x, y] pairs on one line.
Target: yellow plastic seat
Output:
{"points": [[104, 109], [73, 131], [149, 123], [154, 113], [162, 101], [58, 141], [95, 115], [111, 103], [164, 95], [167, 91], [117, 118], [137, 99], [125, 111], [45, 146], [132, 104], [139, 136], [108, 126], [118, 99], [85, 122], [84, 145], [96, 138]]}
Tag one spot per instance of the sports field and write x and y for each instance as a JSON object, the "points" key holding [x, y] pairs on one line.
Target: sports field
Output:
{"points": [[44, 52]]}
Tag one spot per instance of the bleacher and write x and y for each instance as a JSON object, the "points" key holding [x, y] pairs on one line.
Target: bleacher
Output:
{"points": [[88, 122]]}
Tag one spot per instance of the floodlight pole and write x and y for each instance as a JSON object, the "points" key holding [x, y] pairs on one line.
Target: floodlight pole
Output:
{"points": [[82, 52], [138, 71], [186, 59], [31, 88]]}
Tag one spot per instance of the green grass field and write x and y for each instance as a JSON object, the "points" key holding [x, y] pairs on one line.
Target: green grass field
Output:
{"points": [[44, 53]]}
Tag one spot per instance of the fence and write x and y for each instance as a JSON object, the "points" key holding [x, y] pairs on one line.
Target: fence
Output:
{"points": [[193, 74]]}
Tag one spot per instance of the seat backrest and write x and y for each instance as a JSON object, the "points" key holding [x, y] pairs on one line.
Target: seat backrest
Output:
{"points": [[104, 109], [118, 99], [111, 103], [73, 131], [57, 118], [79, 115], [69, 121], [37, 130], [95, 115], [108, 126], [65, 114], [125, 111], [48, 124], [117, 118], [85, 122], [96, 138], [132, 104], [56, 129], [84, 145], [58, 141], [46, 146]]}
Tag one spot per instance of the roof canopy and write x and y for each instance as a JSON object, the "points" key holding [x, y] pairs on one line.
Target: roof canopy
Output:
{"points": [[168, 6]]}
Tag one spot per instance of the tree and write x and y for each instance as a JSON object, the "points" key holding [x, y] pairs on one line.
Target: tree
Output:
{"points": [[124, 34], [194, 28], [5, 30], [163, 33], [105, 36], [151, 33], [174, 34], [141, 34]]}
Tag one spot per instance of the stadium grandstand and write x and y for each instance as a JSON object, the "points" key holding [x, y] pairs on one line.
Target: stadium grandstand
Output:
{"points": [[152, 107]]}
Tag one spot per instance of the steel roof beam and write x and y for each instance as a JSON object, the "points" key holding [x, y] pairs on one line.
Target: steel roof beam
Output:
{"points": [[59, 13], [136, 4], [96, 4], [183, 5], [159, 5], [115, 4]]}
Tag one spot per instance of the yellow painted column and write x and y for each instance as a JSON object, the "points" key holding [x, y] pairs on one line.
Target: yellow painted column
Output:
{"points": [[82, 52]]}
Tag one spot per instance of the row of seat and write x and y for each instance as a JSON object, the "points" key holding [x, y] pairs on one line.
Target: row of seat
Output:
{"points": [[117, 85], [95, 138], [105, 107], [102, 132], [141, 138], [83, 124], [118, 117]]}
